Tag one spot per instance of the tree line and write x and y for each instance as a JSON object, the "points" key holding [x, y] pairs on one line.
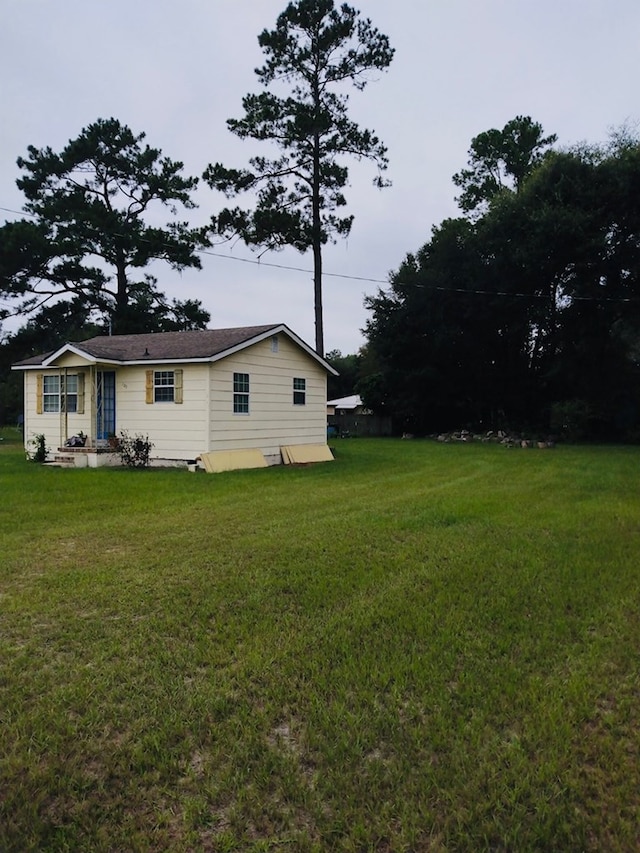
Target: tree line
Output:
{"points": [[524, 312]]}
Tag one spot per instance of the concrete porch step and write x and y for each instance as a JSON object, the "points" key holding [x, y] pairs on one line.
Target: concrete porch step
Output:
{"points": [[69, 460]]}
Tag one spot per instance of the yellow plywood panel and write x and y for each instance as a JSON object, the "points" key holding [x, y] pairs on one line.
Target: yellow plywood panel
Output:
{"points": [[232, 460], [301, 453]]}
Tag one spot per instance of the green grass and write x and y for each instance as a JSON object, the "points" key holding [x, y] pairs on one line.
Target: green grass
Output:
{"points": [[418, 647]]}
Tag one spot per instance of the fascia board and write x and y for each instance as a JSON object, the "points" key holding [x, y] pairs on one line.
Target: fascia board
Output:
{"points": [[150, 362], [276, 330], [309, 350], [122, 363], [248, 343]]}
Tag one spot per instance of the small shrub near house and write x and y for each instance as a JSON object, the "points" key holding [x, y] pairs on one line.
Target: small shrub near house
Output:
{"points": [[134, 450], [39, 450]]}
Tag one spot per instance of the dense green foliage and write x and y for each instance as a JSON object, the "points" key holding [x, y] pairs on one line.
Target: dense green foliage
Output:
{"points": [[315, 49], [51, 326], [348, 367], [499, 160], [416, 647], [87, 232], [525, 314]]}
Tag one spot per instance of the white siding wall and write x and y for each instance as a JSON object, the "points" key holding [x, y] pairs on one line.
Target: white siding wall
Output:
{"points": [[55, 427], [177, 430], [273, 419], [72, 362], [205, 419]]}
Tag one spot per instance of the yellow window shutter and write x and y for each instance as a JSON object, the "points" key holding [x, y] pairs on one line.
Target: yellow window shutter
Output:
{"points": [[39, 394], [149, 387], [80, 405], [177, 381]]}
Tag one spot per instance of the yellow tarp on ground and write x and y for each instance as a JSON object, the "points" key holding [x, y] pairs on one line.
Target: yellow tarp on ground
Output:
{"points": [[294, 454], [231, 460]]}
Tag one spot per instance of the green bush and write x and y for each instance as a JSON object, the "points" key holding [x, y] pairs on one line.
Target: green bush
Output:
{"points": [[39, 452], [134, 450]]}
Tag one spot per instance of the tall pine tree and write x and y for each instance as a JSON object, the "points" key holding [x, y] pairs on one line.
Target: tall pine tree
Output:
{"points": [[315, 50]]}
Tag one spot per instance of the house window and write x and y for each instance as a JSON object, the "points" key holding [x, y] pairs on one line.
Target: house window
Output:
{"points": [[274, 343], [163, 386], [60, 393], [241, 393], [50, 393], [69, 393], [299, 392]]}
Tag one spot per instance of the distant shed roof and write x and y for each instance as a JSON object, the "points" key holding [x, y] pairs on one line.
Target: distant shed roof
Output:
{"points": [[351, 402]]}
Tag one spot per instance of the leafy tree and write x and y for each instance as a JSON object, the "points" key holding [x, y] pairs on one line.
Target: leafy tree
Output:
{"points": [[67, 320], [568, 238], [53, 325], [26, 251], [449, 353], [316, 49], [526, 316], [348, 367], [500, 159], [89, 231], [149, 310]]}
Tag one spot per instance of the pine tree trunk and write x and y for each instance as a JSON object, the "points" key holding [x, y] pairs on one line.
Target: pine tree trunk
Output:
{"points": [[317, 234], [122, 295]]}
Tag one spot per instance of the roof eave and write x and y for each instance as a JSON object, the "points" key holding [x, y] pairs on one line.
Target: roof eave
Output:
{"points": [[308, 349], [68, 348]]}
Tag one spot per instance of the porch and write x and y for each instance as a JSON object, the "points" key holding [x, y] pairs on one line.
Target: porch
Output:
{"points": [[90, 456], [86, 405]]}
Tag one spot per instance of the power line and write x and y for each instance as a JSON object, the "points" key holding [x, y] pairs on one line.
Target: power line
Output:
{"points": [[261, 263], [258, 263], [345, 276], [19, 212]]}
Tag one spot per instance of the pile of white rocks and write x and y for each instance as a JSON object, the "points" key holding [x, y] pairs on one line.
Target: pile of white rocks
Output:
{"points": [[507, 439]]}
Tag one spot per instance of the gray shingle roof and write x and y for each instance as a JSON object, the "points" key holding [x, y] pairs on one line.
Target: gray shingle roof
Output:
{"points": [[202, 343], [160, 346]]}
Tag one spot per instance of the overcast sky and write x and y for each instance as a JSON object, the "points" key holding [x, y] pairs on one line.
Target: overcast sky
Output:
{"points": [[178, 70]]}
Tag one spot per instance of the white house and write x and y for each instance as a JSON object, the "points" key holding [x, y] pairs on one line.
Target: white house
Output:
{"points": [[250, 388]]}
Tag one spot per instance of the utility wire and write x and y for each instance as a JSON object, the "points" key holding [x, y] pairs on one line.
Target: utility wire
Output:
{"points": [[474, 292]]}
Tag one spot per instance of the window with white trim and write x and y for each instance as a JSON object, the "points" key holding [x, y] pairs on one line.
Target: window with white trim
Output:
{"points": [[60, 393], [163, 386], [69, 393], [299, 392], [50, 393], [241, 393]]}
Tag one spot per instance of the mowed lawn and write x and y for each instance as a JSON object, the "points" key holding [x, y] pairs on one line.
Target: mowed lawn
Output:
{"points": [[417, 647]]}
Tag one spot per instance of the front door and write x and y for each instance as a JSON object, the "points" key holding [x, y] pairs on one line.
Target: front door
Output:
{"points": [[105, 403]]}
